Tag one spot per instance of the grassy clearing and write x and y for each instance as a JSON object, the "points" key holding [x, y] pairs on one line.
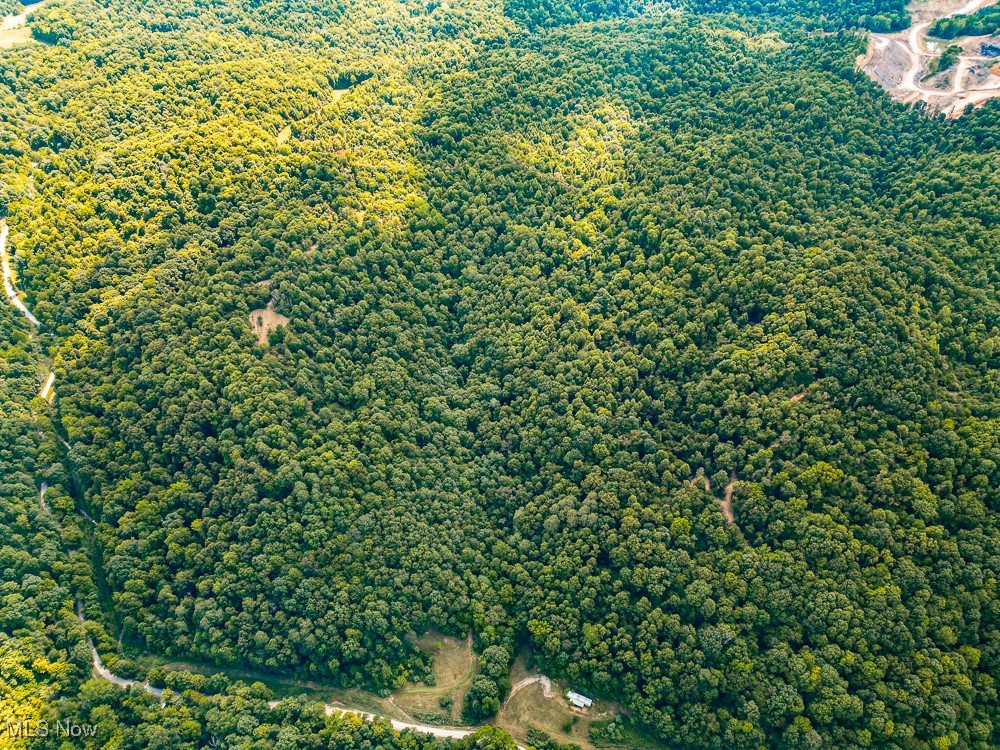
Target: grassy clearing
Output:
{"points": [[10, 37], [454, 665], [529, 707]]}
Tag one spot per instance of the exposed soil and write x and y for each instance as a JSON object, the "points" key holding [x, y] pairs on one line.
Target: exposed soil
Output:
{"points": [[541, 679], [47, 391], [700, 475], [899, 62], [727, 501], [14, 29], [265, 320]]}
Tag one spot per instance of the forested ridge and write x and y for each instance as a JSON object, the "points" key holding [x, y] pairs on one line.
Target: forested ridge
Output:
{"points": [[565, 283], [984, 21]]}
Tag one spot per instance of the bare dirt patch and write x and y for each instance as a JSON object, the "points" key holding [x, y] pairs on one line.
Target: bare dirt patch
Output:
{"points": [[539, 679], [48, 392], [727, 501], [14, 29], [899, 62], [700, 477], [265, 320]]}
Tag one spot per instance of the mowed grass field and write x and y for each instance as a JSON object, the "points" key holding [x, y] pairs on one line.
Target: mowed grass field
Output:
{"points": [[530, 707], [454, 665]]}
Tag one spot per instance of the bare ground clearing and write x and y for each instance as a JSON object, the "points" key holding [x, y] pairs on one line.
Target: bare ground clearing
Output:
{"points": [[265, 320], [14, 28], [727, 501], [536, 701], [899, 62]]}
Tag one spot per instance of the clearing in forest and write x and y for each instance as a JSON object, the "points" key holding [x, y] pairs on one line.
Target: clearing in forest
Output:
{"points": [[265, 320], [454, 665], [537, 702], [905, 63], [14, 29]]}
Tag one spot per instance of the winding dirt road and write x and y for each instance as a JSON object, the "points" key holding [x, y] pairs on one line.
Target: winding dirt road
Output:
{"points": [[99, 669], [106, 674], [912, 44], [443, 732], [727, 501], [15, 300], [545, 682], [399, 726], [16, 21], [8, 280]]}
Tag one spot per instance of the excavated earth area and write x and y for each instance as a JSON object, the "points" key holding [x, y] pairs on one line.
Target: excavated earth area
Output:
{"points": [[900, 62]]}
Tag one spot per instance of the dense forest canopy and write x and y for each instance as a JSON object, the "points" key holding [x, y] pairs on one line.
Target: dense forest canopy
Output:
{"points": [[984, 21], [875, 15], [658, 343]]}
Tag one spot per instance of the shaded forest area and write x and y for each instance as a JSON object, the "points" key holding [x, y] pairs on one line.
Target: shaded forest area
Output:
{"points": [[555, 291]]}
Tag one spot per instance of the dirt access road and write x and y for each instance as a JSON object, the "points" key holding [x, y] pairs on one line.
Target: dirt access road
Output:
{"points": [[8, 284], [897, 62], [13, 22], [103, 672], [14, 29], [8, 280], [399, 726]]}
